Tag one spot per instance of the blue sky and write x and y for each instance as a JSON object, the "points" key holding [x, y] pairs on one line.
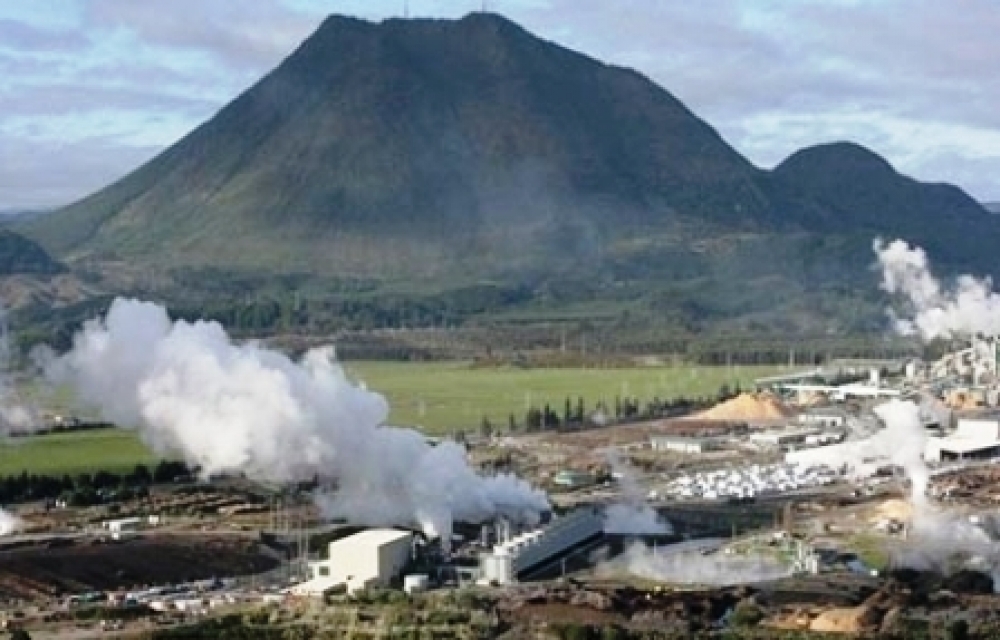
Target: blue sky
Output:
{"points": [[89, 89]]}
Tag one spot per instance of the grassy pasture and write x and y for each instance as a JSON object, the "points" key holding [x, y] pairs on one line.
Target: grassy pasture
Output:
{"points": [[74, 452], [438, 397]]}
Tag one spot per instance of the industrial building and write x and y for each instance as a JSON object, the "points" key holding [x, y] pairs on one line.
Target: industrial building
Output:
{"points": [[830, 417], [783, 437], [123, 527], [680, 444], [367, 559], [511, 559], [973, 439]]}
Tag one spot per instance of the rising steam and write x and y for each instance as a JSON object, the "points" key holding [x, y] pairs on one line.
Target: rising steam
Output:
{"points": [[227, 407], [9, 523], [687, 564], [937, 540], [933, 311], [631, 515]]}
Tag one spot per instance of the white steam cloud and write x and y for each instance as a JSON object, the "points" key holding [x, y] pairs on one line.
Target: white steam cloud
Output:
{"points": [[903, 441], [631, 516], [228, 407], [9, 523], [687, 563], [937, 540], [969, 307]]}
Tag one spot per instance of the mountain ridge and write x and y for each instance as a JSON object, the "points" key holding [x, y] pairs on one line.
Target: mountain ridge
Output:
{"points": [[429, 156]]}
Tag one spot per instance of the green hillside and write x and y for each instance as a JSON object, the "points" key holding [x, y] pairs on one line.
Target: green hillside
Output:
{"points": [[443, 170], [19, 255]]}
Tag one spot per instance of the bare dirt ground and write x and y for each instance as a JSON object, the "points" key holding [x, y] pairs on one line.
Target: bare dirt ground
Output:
{"points": [[46, 570]]}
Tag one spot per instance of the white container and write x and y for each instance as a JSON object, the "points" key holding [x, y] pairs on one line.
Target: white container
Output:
{"points": [[415, 583]]}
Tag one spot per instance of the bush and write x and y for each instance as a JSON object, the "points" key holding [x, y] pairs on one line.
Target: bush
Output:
{"points": [[746, 615], [958, 630], [612, 632], [576, 632]]}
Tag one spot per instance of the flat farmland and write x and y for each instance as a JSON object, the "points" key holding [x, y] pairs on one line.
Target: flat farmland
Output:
{"points": [[437, 397], [74, 452], [440, 397]]}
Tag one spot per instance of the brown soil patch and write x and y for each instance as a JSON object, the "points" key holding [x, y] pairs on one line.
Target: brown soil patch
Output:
{"points": [[852, 620], [85, 566]]}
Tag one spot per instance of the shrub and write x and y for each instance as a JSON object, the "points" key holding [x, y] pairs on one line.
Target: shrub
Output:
{"points": [[746, 615], [958, 630]]}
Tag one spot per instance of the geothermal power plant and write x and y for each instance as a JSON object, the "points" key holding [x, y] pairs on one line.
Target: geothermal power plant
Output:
{"points": [[294, 489]]}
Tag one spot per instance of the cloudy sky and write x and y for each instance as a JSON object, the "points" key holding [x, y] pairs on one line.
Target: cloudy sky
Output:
{"points": [[89, 89]]}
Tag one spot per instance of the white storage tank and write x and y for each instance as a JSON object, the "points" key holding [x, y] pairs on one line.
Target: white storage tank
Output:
{"points": [[415, 583]]}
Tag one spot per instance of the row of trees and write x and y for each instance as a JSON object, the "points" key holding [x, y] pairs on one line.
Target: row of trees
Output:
{"points": [[86, 489], [575, 413]]}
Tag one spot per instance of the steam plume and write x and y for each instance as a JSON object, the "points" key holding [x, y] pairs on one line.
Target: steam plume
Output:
{"points": [[933, 311], [937, 539], [227, 407], [679, 564], [9, 523], [632, 516], [903, 441]]}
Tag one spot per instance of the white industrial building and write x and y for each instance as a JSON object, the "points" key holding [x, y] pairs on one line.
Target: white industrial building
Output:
{"points": [[973, 439], [783, 437], [367, 559], [123, 527], [511, 558], [679, 444], [843, 392], [830, 417]]}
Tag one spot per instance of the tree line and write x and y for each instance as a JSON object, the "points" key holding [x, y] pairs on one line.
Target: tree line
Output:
{"points": [[575, 413], [86, 489]]}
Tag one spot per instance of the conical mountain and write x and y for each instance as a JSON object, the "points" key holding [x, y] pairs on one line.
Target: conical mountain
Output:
{"points": [[421, 156], [415, 138]]}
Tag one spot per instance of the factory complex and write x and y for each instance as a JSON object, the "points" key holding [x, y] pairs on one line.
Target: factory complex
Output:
{"points": [[778, 483], [751, 463]]}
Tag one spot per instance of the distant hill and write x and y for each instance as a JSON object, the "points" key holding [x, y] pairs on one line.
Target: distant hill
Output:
{"points": [[33, 285], [19, 256], [447, 168], [20, 215], [860, 191], [992, 207]]}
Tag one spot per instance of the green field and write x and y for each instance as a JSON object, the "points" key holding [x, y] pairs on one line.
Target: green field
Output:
{"points": [[439, 397], [115, 450]]}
